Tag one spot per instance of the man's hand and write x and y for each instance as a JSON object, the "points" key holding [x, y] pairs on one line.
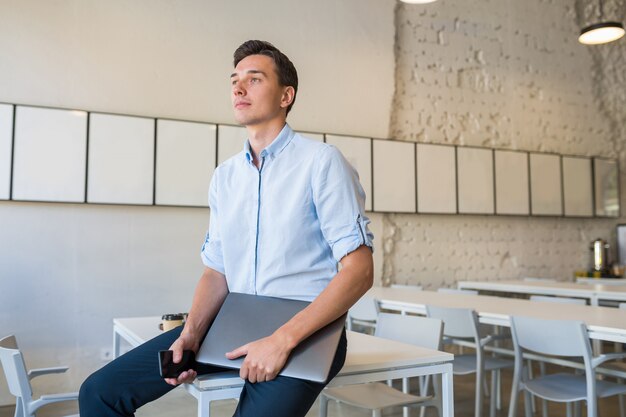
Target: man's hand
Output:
{"points": [[265, 358], [184, 342]]}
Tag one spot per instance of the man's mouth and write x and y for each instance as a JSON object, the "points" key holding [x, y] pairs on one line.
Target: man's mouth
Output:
{"points": [[241, 104]]}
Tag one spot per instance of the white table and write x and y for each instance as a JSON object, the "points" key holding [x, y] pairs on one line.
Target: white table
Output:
{"points": [[592, 292], [603, 323], [369, 359], [604, 281]]}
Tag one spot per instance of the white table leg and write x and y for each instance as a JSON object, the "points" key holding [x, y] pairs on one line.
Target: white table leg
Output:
{"points": [[116, 343], [447, 391]]}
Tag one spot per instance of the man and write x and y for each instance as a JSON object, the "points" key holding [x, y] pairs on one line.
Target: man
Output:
{"points": [[284, 211]]}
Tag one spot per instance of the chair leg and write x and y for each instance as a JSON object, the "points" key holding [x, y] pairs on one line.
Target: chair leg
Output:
{"points": [[527, 404], [492, 396], [514, 393], [544, 403], [529, 365], [377, 413], [499, 390], [323, 405], [577, 409], [568, 410], [478, 410], [622, 412], [19, 412], [405, 389]]}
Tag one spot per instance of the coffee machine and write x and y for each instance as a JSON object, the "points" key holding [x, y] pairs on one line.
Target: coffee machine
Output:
{"points": [[600, 257]]}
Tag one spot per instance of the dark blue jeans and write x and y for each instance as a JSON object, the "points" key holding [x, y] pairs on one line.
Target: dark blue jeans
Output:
{"points": [[133, 379]]}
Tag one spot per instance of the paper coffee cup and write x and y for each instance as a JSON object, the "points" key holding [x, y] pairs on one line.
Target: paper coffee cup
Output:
{"points": [[171, 321]]}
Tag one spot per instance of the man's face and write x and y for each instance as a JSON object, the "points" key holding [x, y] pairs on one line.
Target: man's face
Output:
{"points": [[257, 95]]}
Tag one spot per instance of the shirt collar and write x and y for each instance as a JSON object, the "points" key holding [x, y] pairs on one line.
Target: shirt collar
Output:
{"points": [[275, 147]]}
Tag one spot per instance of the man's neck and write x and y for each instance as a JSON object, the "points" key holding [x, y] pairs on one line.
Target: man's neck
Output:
{"points": [[261, 136]]}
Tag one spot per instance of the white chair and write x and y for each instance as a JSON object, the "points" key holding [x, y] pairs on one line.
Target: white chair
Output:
{"points": [[18, 380], [462, 323], [457, 291], [363, 314], [420, 331], [622, 305], [407, 287], [565, 338], [542, 365]]}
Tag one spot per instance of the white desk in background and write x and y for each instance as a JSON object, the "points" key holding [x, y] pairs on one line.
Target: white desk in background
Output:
{"points": [[603, 323], [369, 359], [603, 281], [592, 292]]}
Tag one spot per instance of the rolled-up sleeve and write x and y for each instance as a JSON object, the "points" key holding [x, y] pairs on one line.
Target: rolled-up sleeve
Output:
{"points": [[339, 201], [211, 253]]}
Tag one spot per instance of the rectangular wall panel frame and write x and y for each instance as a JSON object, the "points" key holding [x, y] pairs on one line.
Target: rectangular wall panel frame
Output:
{"points": [[366, 178], [527, 166], [47, 188], [489, 211], [376, 193], [590, 197], [598, 211], [161, 187], [7, 144], [560, 186], [151, 156], [454, 175]]}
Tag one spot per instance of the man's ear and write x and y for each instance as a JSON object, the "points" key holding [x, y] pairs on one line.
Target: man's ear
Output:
{"points": [[288, 95]]}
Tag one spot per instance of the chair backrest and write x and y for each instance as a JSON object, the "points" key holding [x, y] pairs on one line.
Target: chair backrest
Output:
{"points": [[564, 300], [407, 286], [364, 309], [551, 337], [457, 291], [458, 322], [415, 330], [15, 369], [533, 279]]}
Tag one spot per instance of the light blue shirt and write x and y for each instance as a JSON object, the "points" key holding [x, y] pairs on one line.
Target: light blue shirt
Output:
{"points": [[280, 230]]}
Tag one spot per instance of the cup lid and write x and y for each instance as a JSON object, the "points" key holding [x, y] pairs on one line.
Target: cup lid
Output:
{"points": [[173, 316]]}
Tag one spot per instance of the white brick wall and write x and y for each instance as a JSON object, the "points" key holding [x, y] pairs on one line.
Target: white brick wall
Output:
{"points": [[508, 75]]}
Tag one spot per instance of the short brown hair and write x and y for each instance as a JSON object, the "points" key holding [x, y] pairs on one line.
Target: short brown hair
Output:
{"points": [[286, 71]]}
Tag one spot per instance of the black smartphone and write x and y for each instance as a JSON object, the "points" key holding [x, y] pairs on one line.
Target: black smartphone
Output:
{"points": [[169, 369]]}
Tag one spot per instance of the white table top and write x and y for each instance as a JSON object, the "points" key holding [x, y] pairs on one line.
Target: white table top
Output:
{"points": [[605, 281], [604, 323], [565, 289]]}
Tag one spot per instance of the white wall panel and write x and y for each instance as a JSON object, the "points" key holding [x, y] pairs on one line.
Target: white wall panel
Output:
{"points": [[546, 194], [230, 141], [6, 145], [436, 179], [50, 153], [185, 162], [358, 151], [121, 159], [394, 176], [512, 183], [577, 186], [475, 176]]}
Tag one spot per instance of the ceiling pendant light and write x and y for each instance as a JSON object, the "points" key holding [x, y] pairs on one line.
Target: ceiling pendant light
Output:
{"points": [[602, 32]]}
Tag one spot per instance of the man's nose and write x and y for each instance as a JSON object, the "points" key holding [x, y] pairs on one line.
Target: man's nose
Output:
{"points": [[238, 89]]}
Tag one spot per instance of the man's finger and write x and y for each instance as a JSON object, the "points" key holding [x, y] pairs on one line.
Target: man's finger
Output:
{"points": [[237, 353]]}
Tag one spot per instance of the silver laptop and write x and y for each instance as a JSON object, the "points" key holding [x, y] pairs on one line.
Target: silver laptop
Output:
{"points": [[244, 318]]}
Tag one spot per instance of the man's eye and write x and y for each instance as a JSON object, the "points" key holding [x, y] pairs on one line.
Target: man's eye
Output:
{"points": [[233, 82], [255, 80]]}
